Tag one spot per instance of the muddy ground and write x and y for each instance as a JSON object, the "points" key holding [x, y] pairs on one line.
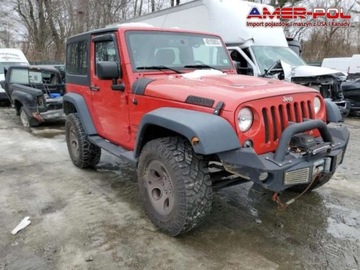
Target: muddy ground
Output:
{"points": [[92, 219]]}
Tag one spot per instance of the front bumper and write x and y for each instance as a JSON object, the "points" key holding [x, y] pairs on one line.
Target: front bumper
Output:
{"points": [[283, 169], [44, 115], [53, 115], [53, 111]]}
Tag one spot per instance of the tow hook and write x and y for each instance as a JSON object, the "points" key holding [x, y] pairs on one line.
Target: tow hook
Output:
{"points": [[275, 198], [281, 205]]}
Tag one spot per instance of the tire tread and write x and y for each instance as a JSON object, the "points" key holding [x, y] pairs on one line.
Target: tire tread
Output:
{"points": [[189, 168], [89, 154]]}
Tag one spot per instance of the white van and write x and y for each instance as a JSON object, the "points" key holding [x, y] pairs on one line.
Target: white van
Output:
{"points": [[9, 57], [355, 64], [350, 65], [338, 63]]}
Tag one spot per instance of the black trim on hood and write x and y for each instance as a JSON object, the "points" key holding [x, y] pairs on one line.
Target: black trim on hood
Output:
{"points": [[139, 86], [201, 101]]}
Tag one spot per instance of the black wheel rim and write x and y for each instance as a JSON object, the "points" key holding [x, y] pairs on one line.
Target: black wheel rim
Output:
{"points": [[159, 187], [73, 143]]}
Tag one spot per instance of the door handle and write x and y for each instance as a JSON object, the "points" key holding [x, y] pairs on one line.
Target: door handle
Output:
{"points": [[94, 88]]}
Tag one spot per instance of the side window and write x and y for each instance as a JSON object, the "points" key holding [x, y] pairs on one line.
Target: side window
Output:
{"points": [[77, 58], [20, 76], [35, 77], [105, 51]]}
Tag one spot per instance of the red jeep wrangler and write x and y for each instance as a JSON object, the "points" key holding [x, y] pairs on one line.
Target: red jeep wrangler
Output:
{"points": [[170, 102]]}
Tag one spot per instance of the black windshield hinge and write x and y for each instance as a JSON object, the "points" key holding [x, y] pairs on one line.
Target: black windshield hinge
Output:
{"points": [[218, 107]]}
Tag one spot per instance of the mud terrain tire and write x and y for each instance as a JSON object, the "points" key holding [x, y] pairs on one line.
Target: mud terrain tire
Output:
{"points": [[317, 183], [82, 152], [174, 185]]}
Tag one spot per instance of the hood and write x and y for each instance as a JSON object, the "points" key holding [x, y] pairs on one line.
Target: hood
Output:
{"points": [[217, 86], [308, 71]]}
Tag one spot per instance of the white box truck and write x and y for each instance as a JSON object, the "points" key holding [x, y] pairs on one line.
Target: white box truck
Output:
{"points": [[354, 68], [338, 63], [349, 65], [9, 57], [258, 51]]}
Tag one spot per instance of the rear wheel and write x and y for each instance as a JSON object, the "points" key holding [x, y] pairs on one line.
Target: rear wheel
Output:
{"points": [[174, 185], [82, 152], [318, 182]]}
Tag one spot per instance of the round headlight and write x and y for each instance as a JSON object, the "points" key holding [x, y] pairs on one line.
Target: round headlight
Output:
{"points": [[317, 104], [245, 119]]}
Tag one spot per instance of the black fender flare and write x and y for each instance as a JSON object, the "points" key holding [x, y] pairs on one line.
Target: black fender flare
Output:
{"points": [[333, 113], [214, 132], [24, 98], [82, 110]]}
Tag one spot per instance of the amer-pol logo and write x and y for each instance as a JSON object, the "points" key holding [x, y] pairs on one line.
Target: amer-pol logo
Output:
{"points": [[299, 16], [298, 13]]}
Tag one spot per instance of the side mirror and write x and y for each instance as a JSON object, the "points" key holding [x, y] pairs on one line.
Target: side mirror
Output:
{"points": [[110, 70], [243, 70], [107, 70]]}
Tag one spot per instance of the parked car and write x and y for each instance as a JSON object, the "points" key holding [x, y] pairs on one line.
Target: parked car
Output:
{"points": [[169, 102], [35, 92], [351, 90]]}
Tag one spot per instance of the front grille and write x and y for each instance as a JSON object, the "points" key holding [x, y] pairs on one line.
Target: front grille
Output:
{"points": [[277, 118]]}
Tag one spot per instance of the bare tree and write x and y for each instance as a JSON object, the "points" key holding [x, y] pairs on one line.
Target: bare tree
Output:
{"points": [[6, 26], [330, 40], [32, 14]]}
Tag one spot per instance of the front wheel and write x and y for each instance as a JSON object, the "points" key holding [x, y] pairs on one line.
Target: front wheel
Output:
{"points": [[26, 120], [82, 152], [174, 185]]}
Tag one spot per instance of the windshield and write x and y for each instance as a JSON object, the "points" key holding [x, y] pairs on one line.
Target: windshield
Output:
{"points": [[267, 56], [175, 50], [6, 65]]}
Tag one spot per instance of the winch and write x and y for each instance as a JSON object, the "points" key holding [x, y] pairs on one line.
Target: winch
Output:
{"points": [[306, 144]]}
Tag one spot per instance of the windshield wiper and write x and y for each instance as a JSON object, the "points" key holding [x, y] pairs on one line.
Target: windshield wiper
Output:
{"points": [[160, 68], [201, 66]]}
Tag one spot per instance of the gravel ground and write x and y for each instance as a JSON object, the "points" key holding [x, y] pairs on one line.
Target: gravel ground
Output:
{"points": [[93, 219]]}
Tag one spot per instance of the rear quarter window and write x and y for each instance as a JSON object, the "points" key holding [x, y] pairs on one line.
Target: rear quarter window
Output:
{"points": [[77, 67], [77, 58]]}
